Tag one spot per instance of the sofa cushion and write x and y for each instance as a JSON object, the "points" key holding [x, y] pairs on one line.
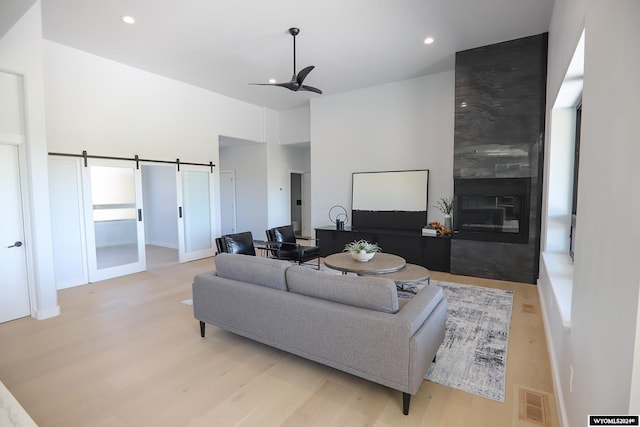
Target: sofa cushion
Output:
{"points": [[251, 269], [374, 293]]}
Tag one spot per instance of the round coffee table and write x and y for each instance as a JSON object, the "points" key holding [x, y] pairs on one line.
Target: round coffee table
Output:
{"points": [[379, 264]]}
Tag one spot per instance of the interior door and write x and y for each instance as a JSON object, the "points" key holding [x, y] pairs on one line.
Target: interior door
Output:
{"points": [[14, 288], [114, 221], [195, 213]]}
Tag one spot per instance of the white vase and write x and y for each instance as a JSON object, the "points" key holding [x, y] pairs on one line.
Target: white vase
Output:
{"points": [[362, 256], [448, 221]]}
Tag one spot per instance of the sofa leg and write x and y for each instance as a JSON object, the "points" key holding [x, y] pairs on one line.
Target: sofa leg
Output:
{"points": [[406, 400], [202, 329], [434, 358]]}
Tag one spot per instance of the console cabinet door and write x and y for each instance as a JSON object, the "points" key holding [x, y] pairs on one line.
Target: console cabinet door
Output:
{"points": [[408, 247], [326, 241], [437, 253]]}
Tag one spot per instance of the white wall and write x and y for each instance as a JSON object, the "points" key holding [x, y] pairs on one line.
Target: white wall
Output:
{"points": [[67, 220], [108, 108], [294, 125], [283, 159], [606, 273], [397, 126], [249, 161], [604, 312], [21, 53]]}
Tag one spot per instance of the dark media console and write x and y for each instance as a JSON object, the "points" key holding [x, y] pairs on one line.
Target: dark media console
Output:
{"points": [[430, 252]]}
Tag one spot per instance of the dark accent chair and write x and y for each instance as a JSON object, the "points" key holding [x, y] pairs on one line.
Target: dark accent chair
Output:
{"points": [[238, 243], [283, 245]]}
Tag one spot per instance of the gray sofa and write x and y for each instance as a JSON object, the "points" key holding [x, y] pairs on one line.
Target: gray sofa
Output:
{"points": [[355, 324]]}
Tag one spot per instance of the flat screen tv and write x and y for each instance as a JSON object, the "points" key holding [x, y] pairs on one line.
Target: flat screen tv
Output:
{"points": [[390, 199]]}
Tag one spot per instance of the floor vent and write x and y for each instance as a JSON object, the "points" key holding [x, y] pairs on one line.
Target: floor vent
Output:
{"points": [[534, 407], [528, 308]]}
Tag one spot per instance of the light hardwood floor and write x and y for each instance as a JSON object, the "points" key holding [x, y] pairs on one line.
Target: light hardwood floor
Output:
{"points": [[126, 352]]}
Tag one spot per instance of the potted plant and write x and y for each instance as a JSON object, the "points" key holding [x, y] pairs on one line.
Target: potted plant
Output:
{"points": [[361, 250], [445, 205]]}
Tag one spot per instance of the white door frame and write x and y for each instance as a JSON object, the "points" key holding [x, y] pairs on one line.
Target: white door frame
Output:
{"points": [[234, 214], [19, 141]]}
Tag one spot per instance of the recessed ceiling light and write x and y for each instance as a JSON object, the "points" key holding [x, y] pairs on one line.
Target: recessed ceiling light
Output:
{"points": [[272, 81], [429, 40], [128, 19]]}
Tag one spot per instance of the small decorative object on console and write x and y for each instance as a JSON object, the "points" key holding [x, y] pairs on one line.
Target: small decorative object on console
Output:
{"points": [[361, 250], [441, 229], [338, 216], [428, 230], [446, 207]]}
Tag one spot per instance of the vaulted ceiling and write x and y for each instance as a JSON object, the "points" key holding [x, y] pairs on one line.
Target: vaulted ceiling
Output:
{"points": [[222, 45]]}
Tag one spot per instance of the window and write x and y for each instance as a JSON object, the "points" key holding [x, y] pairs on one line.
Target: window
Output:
{"points": [[576, 164]]}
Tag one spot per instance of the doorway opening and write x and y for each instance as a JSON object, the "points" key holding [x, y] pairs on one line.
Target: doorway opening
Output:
{"points": [[160, 215], [296, 203], [300, 187]]}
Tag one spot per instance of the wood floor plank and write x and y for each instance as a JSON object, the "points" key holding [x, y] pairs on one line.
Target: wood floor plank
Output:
{"points": [[126, 352]]}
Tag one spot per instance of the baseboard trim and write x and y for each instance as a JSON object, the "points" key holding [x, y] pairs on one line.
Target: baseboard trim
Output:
{"points": [[47, 313]]}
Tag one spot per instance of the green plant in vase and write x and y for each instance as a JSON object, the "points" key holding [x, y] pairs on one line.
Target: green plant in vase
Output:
{"points": [[361, 250], [445, 205]]}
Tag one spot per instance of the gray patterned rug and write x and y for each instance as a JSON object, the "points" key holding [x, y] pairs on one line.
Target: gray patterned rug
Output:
{"points": [[473, 356]]}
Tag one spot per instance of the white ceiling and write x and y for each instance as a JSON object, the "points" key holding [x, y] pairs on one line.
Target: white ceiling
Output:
{"points": [[223, 45]]}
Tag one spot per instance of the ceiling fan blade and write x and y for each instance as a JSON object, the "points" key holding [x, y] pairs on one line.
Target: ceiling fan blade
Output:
{"points": [[289, 85], [310, 89], [303, 74]]}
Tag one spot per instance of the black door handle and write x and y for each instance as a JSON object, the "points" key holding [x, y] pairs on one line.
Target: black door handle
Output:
{"points": [[15, 245], [140, 215], [180, 212]]}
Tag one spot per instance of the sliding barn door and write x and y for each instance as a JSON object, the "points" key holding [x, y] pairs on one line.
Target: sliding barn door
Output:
{"points": [[113, 212], [195, 213]]}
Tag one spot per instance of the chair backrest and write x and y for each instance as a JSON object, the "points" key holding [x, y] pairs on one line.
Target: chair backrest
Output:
{"points": [[220, 245], [284, 234], [237, 243]]}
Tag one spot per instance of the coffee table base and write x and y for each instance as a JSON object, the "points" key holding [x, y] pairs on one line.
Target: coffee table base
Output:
{"points": [[411, 274]]}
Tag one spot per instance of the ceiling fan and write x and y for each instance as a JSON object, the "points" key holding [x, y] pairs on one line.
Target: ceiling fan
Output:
{"points": [[295, 84]]}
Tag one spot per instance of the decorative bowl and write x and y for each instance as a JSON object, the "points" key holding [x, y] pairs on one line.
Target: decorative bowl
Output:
{"points": [[362, 256]]}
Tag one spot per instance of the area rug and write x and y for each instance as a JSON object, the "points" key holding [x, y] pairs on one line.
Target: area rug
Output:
{"points": [[473, 356]]}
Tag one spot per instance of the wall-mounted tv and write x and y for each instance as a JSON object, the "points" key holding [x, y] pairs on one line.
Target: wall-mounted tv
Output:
{"points": [[390, 199]]}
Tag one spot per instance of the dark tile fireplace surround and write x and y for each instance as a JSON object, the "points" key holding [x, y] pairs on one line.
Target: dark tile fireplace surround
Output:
{"points": [[498, 152]]}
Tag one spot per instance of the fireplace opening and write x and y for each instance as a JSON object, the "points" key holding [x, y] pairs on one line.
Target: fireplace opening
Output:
{"points": [[492, 209]]}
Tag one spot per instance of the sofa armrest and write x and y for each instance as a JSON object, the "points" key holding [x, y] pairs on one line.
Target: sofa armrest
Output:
{"points": [[424, 345], [418, 309]]}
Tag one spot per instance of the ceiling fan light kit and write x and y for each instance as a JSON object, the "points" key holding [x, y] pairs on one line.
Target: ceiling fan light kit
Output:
{"points": [[295, 84]]}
